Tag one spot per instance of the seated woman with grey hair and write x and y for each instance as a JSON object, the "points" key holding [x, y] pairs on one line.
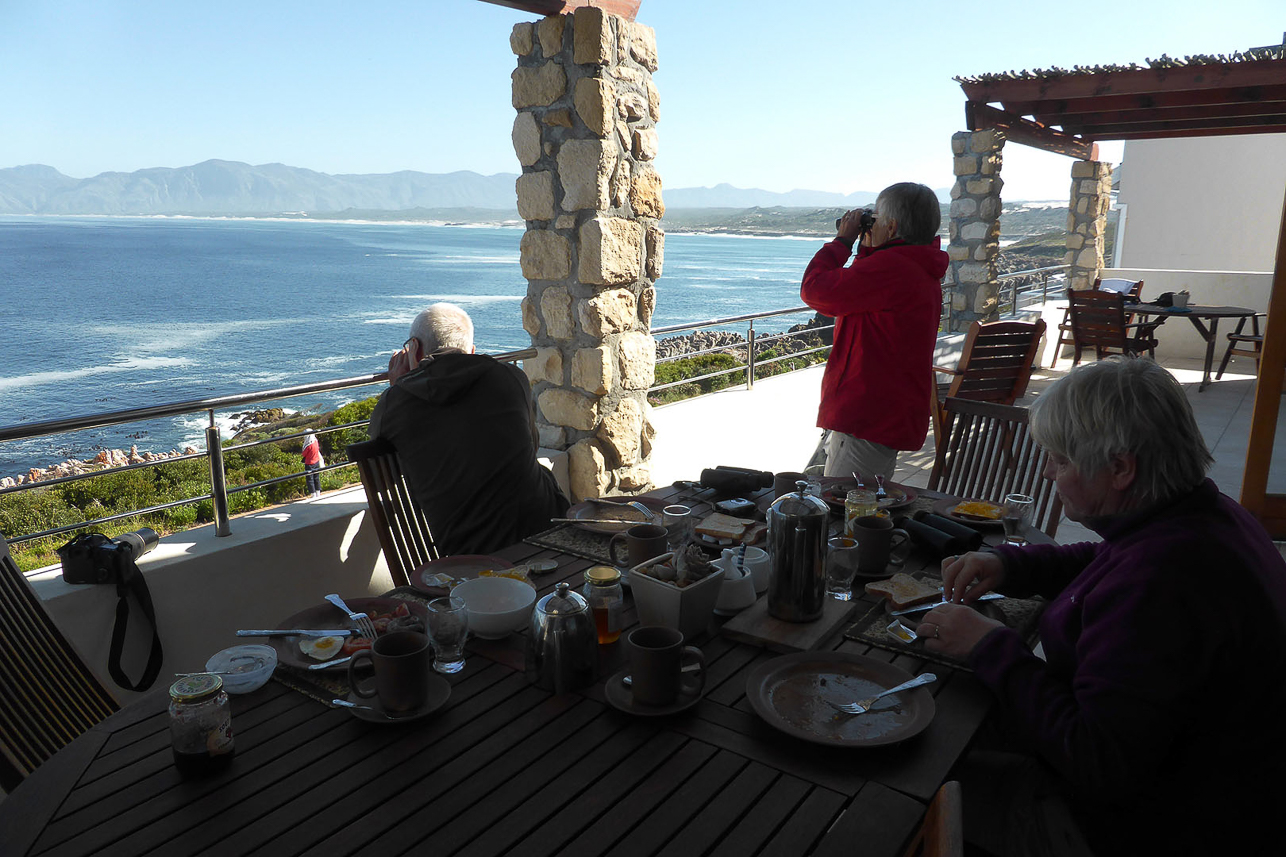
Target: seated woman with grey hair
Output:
{"points": [[1153, 722]]}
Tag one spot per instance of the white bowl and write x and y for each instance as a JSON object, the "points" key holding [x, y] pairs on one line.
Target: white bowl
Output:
{"points": [[248, 667], [498, 606]]}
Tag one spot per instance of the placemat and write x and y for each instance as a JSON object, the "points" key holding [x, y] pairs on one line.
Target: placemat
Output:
{"points": [[1021, 614], [569, 538]]}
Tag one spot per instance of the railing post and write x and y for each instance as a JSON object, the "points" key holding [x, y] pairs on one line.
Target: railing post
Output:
{"points": [[218, 482], [750, 356]]}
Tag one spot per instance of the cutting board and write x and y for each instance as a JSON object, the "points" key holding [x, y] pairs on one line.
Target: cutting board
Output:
{"points": [[754, 625]]}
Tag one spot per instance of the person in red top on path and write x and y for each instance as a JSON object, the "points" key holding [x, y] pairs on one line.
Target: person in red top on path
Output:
{"points": [[876, 391], [312, 463]]}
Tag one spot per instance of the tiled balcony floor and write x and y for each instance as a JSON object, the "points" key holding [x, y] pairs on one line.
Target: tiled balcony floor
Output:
{"points": [[772, 428]]}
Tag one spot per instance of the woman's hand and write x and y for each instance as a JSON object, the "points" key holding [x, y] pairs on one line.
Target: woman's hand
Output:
{"points": [[954, 630], [967, 578]]}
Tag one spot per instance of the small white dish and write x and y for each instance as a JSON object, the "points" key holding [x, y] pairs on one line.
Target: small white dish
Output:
{"points": [[498, 606], [244, 668]]}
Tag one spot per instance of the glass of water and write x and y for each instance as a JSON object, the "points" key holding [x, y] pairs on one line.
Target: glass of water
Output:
{"points": [[1016, 517], [448, 629], [677, 521], [841, 565]]}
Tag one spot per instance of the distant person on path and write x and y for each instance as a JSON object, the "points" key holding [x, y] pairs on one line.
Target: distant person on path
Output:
{"points": [[463, 425], [876, 390], [313, 462]]}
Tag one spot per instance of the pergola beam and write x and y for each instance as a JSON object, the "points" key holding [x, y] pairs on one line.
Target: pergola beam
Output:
{"points": [[1270, 109], [627, 9], [1192, 98], [1034, 134], [1146, 81]]}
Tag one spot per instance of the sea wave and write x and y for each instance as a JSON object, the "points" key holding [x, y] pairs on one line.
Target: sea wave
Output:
{"points": [[181, 336], [129, 364], [462, 299]]}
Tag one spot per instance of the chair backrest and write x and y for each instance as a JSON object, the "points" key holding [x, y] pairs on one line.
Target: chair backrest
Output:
{"points": [[403, 530], [1098, 318], [48, 696], [996, 361], [1132, 289], [989, 452], [941, 833]]}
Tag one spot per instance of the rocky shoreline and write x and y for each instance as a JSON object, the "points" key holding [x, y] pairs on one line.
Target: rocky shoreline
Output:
{"points": [[733, 343]]}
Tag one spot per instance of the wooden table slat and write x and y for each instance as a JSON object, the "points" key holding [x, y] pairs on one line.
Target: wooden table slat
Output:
{"points": [[723, 815], [878, 821], [806, 825]]}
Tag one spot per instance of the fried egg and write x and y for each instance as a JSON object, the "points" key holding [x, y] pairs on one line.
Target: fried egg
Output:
{"points": [[321, 648]]}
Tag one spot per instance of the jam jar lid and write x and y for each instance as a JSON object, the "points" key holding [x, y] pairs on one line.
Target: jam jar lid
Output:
{"points": [[195, 688], [602, 575]]}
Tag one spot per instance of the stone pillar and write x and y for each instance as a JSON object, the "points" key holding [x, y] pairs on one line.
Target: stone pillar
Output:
{"points": [[1091, 197], [585, 135], [975, 227]]}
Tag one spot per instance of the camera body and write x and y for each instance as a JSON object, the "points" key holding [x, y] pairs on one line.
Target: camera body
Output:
{"points": [[95, 558], [865, 225]]}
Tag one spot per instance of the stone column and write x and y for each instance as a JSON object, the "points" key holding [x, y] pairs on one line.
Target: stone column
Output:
{"points": [[1091, 197], [585, 135], [975, 227]]}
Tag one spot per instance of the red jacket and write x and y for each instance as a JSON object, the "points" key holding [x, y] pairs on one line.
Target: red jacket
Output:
{"points": [[887, 306]]}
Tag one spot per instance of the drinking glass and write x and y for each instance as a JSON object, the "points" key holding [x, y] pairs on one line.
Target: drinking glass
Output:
{"points": [[841, 565], [677, 521], [859, 503], [1016, 518], [448, 629]]}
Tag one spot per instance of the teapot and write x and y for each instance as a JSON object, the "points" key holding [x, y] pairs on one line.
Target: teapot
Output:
{"points": [[797, 529], [562, 647]]}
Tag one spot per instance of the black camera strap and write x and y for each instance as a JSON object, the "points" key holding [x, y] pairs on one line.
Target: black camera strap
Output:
{"points": [[132, 582]]}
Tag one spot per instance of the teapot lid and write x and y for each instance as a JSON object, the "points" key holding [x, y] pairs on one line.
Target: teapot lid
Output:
{"points": [[799, 504], [562, 602]]}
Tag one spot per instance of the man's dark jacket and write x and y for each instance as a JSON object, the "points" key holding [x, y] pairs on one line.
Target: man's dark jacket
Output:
{"points": [[462, 427]]}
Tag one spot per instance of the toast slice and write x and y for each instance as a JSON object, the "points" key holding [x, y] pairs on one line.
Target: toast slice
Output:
{"points": [[903, 591], [721, 526]]}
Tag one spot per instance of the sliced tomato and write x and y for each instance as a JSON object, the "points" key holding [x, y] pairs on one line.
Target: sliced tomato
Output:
{"points": [[353, 645], [402, 611], [381, 624]]}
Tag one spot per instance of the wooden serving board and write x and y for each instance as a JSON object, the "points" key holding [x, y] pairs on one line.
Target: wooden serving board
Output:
{"points": [[754, 625]]}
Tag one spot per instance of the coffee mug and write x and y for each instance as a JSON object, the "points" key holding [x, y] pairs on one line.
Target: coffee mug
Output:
{"points": [[402, 662], [879, 544], [784, 483], [642, 542], [656, 665]]}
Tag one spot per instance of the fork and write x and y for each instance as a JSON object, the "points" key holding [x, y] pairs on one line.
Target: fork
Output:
{"points": [[880, 493], [364, 625], [648, 514], [864, 705]]}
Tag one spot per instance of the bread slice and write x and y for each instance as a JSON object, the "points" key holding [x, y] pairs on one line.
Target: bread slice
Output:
{"points": [[903, 591], [721, 526]]}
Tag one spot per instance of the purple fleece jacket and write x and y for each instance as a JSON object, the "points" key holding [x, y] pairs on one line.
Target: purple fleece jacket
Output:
{"points": [[1162, 700]]}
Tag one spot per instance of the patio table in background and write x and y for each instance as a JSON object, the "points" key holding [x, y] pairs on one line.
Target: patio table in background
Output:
{"points": [[1196, 313], [504, 767]]}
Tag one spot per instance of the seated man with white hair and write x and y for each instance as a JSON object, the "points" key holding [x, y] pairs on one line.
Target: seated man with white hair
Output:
{"points": [[464, 430]]}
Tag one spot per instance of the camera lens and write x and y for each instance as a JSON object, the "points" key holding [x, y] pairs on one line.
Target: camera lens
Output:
{"points": [[140, 541]]}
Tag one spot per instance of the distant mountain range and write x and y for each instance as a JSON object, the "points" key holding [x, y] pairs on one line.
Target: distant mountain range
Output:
{"points": [[233, 188]]}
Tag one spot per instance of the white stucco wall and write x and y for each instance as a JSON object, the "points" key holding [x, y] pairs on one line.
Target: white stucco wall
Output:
{"points": [[1203, 203]]}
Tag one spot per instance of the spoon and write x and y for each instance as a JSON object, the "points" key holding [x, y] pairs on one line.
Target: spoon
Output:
{"points": [[880, 493]]}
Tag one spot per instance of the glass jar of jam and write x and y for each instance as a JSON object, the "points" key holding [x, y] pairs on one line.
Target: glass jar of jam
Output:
{"points": [[200, 725], [606, 600]]}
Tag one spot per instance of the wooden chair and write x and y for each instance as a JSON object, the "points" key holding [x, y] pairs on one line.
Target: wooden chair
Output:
{"points": [[403, 530], [48, 696], [989, 453], [995, 366], [941, 834], [1099, 322], [1243, 344], [1132, 289]]}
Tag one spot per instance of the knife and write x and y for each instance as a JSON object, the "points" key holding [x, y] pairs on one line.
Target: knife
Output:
{"points": [[298, 632], [990, 596]]}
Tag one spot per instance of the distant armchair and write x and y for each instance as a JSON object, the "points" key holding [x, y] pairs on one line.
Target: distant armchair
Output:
{"points": [[1244, 344], [995, 366]]}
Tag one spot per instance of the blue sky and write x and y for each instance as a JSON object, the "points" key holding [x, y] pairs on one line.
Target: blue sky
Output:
{"points": [[807, 94]]}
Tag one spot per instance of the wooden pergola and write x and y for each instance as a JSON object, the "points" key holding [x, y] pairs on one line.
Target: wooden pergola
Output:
{"points": [[1068, 111], [627, 9]]}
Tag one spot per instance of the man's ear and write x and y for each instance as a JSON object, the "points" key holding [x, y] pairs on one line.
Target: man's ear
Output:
{"points": [[414, 353], [1124, 468]]}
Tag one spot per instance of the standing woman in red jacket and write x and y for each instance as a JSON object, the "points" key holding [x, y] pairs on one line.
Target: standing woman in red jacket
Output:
{"points": [[312, 464], [887, 305]]}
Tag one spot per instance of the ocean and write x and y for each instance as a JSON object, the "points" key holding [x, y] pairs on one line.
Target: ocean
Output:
{"points": [[107, 313]]}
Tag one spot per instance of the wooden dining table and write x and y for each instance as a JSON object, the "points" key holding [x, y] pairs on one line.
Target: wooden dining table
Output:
{"points": [[1198, 315], [506, 767]]}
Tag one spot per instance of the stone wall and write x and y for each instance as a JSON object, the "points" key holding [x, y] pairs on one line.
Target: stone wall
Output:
{"points": [[585, 136], [975, 227], [1091, 196]]}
